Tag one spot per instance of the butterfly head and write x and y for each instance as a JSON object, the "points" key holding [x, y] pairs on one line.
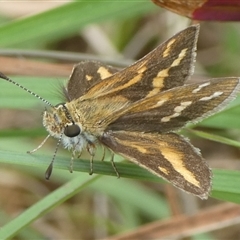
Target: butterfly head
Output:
{"points": [[59, 123]]}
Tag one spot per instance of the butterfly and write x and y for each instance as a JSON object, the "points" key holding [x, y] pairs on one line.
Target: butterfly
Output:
{"points": [[137, 111]]}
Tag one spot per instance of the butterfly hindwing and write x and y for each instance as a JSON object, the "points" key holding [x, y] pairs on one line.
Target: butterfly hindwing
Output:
{"points": [[168, 155]]}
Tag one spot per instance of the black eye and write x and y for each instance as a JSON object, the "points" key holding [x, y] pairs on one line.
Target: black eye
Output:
{"points": [[72, 130]]}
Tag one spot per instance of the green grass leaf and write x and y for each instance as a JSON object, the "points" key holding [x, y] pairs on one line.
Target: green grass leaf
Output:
{"points": [[66, 20], [13, 97], [215, 138], [225, 182], [41, 207], [226, 185], [225, 119]]}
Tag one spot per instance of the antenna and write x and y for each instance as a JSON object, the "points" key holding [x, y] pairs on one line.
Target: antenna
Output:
{"points": [[50, 167], [25, 89]]}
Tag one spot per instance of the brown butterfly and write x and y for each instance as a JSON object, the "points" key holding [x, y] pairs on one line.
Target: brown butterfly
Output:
{"points": [[136, 111]]}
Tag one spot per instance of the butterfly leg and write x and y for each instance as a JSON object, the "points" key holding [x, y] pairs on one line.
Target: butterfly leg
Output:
{"points": [[73, 157], [79, 155], [113, 165], [104, 152], [71, 162], [40, 145], [91, 150]]}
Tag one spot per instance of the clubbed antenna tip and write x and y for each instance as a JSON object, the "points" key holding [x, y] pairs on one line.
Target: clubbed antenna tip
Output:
{"points": [[4, 76]]}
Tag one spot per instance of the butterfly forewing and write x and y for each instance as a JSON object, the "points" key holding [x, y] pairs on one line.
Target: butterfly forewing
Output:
{"points": [[166, 67], [85, 75], [172, 109], [167, 155]]}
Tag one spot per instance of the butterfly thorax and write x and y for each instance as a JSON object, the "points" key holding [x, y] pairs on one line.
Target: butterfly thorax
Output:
{"points": [[65, 122]]}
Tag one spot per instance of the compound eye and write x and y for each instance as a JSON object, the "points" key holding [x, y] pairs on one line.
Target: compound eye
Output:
{"points": [[72, 130]]}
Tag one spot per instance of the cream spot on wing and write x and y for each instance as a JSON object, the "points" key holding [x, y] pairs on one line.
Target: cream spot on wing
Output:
{"points": [[88, 77], [177, 161], [164, 170], [168, 118], [132, 81], [181, 55], [158, 80], [142, 69], [104, 73], [168, 49], [200, 87], [132, 145], [214, 95], [187, 103], [160, 103], [153, 92], [139, 148], [183, 105], [177, 111]]}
